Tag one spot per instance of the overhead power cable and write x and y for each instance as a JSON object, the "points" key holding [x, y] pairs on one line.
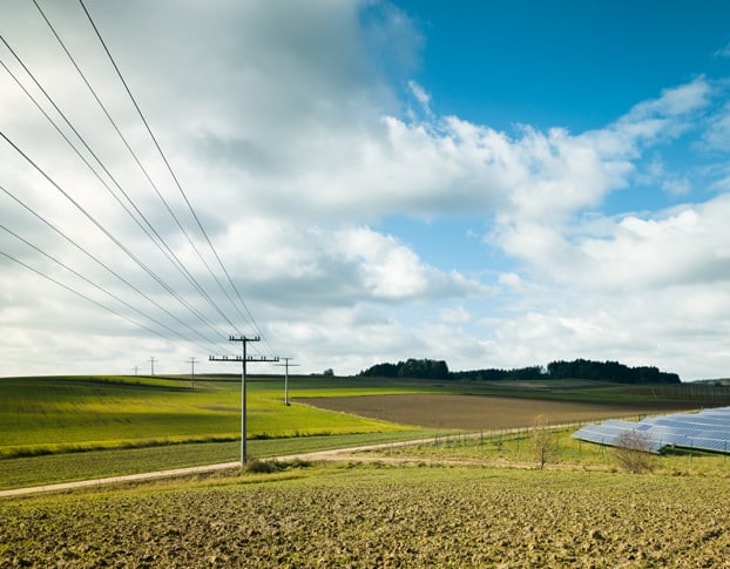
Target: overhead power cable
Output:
{"points": [[105, 266], [174, 177], [80, 294], [93, 284], [111, 237], [149, 230]]}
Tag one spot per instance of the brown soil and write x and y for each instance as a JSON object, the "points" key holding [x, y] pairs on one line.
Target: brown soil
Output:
{"points": [[471, 412], [384, 517]]}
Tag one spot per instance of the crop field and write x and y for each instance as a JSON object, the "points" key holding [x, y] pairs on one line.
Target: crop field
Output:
{"points": [[470, 412], [380, 516], [47, 415], [458, 501], [127, 425]]}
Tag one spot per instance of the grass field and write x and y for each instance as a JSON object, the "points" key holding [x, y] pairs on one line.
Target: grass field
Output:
{"points": [[59, 414], [137, 424]]}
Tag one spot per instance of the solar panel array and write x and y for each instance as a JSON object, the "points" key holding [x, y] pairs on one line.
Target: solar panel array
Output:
{"points": [[708, 429]]}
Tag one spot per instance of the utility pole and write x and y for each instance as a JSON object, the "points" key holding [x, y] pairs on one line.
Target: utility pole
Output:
{"points": [[192, 361], [286, 365], [136, 369], [244, 359], [152, 362]]}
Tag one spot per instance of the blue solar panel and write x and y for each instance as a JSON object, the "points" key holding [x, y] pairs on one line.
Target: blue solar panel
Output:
{"points": [[708, 429]]}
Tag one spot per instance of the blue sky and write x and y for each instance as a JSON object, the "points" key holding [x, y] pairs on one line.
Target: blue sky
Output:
{"points": [[575, 65], [496, 184]]}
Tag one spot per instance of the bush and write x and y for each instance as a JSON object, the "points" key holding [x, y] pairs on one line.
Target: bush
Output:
{"points": [[257, 466], [634, 452], [263, 466], [543, 441]]}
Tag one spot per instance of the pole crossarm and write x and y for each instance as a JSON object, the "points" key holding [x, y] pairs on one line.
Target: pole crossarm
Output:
{"points": [[240, 359]]}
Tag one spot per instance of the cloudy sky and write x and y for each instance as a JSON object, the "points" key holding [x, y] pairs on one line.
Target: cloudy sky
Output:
{"points": [[496, 184]]}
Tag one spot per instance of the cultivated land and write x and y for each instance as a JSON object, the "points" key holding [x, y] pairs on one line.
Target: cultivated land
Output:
{"points": [[457, 501], [380, 516], [473, 413]]}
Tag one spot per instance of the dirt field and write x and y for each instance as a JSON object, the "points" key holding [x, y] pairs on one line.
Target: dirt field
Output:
{"points": [[470, 412], [383, 517]]}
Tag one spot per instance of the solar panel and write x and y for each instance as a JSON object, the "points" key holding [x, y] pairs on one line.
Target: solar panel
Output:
{"points": [[708, 429]]}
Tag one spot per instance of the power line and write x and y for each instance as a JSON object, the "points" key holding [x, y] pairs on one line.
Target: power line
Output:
{"points": [[149, 230], [102, 264], [92, 283], [101, 228], [172, 174], [146, 174], [159, 241], [79, 294]]}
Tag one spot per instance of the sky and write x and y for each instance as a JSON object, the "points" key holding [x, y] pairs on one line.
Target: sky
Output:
{"points": [[494, 184]]}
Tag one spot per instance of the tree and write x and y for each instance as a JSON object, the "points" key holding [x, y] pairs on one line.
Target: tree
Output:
{"points": [[329, 372], [633, 452], [543, 441]]}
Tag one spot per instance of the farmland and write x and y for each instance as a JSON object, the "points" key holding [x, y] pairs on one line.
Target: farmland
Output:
{"points": [[380, 516], [458, 501], [57, 429], [46, 415]]}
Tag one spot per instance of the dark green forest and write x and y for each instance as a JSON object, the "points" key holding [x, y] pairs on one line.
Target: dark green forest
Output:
{"points": [[577, 369]]}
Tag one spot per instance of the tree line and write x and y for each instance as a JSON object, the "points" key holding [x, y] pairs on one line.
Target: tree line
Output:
{"points": [[577, 369]]}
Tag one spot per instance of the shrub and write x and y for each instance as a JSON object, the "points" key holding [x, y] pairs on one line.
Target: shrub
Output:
{"points": [[263, 466], [543, 440], [634, 452]]}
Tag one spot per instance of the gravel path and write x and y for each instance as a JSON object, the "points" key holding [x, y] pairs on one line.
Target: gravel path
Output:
{"points": [[335, 454]]}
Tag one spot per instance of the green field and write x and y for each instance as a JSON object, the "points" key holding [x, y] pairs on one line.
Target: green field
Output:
{"points": [[55, 429], [65, 414]]}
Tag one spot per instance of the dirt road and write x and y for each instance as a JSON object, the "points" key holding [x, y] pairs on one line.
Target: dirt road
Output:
{"points": [[335, 454]]}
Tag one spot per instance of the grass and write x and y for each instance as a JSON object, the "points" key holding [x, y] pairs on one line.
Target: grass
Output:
{"points": [[48, 425], [54, 468], [68, 414], [515, 448]]}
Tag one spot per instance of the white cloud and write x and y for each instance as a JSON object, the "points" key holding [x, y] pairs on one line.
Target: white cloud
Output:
{"points": [[723, 51], [456, 315], [284, 130], [717, 136], [679, 187]]}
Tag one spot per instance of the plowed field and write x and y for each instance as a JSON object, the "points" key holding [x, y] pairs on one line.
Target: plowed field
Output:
{"points": [[383, 517], [471, 412]]}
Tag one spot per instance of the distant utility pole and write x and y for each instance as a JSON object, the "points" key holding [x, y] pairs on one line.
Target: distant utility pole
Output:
{"points": [[152, 363], [244, 359], [192, 361], [136, 369], [286, 365]]}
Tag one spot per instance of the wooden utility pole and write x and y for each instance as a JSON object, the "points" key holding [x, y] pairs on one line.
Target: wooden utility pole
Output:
{"points": [[244, 359], [152, 366], [192, 361], [286, 365]]}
